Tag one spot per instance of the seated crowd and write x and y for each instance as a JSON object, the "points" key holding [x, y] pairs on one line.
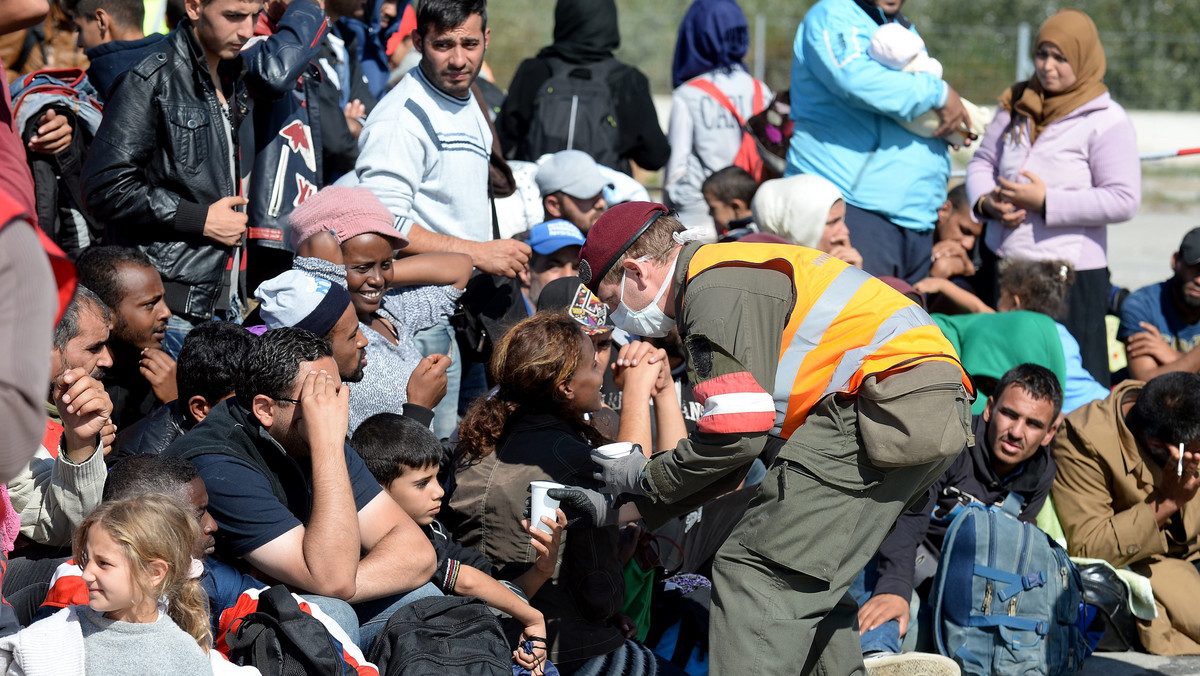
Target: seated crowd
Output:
{"points": [[324, 328]]}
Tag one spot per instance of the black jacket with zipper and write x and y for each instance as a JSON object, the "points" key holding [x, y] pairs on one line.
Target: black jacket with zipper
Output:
{"points": [[158, 161]]}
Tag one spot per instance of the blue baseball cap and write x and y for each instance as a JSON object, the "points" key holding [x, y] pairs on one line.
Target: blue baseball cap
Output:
{"points": [[546, 238]]}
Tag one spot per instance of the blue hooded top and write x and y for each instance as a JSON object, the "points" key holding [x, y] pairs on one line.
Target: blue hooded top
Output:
{"points": [[713, 35]]}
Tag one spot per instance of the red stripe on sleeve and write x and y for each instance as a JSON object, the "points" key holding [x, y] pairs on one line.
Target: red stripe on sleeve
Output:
{"points": [[736, 423]]}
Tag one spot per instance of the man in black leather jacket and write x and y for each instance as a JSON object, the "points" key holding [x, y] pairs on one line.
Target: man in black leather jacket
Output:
{"points": [[161, 174]]}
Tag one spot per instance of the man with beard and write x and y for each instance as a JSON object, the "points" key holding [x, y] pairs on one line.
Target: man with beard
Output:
{"points": [[425, 153], [1128, 474], [303, 299], [143, 375], [572, 188], [1011, 455], [165, 171], [283, 485], [1160, 323], [65, 479]]}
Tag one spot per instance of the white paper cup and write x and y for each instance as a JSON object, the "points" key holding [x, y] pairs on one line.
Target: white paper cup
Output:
{"points": [[617, 450], [541, 504]]}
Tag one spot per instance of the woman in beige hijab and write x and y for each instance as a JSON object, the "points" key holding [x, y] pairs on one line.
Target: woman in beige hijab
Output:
{"points": [[1057, 166], [807, 210]]}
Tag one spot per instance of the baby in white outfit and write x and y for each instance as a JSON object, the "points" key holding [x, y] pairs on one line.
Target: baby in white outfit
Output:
{"points": [[899, 48]]}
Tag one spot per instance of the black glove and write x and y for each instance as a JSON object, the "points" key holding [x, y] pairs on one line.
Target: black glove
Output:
{"points": [[585, 508]]}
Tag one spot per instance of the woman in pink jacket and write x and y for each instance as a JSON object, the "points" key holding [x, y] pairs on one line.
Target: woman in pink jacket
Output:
{"points": [[1055, 168]]}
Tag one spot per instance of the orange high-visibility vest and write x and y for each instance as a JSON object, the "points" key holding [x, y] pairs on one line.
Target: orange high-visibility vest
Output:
{"points": [[846, 325]]}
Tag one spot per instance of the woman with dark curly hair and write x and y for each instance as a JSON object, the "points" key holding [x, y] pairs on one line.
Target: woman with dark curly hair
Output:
{"points": [[534, 429]]}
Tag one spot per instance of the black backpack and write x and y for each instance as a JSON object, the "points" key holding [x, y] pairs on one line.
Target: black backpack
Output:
{"points": [[574, 110], [280, 639], [442, 635]]}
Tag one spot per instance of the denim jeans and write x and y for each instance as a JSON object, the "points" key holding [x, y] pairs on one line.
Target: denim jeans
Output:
{"points": [[178, 326], [439, 339], [886, 637], [340, 612], [373, 615], [888, 249], [473, 384]]}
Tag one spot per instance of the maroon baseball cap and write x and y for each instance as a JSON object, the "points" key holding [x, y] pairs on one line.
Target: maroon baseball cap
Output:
{"points": [[611, 236]]}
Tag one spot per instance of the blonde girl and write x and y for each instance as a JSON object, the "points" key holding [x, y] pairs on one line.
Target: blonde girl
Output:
{"points": [[145, 612]]}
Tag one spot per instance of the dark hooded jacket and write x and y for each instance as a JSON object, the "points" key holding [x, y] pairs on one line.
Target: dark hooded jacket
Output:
{"points": [[586, 32], [972, 478], [109, 61]]}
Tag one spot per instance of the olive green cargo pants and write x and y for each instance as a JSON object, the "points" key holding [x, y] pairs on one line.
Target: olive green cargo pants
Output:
{"points": [[780, 604]]}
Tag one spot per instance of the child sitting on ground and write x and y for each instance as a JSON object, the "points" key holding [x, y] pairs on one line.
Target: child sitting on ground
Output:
{"points": [[404, 457], [902, 49], [145, 612], [1037, 286], [231, 594]]}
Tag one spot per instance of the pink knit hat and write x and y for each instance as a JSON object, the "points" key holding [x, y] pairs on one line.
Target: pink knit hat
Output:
{"points": [[346, 212]]}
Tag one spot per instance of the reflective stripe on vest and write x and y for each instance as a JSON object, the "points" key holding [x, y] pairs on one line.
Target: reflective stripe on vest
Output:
{"points": [[845, 325]]}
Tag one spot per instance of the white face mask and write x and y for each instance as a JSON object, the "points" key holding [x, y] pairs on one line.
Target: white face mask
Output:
{"points": [[650, 321]]}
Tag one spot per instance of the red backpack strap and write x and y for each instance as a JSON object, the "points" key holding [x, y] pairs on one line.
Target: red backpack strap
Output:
{"points": [[757, 106], [711, 89]]}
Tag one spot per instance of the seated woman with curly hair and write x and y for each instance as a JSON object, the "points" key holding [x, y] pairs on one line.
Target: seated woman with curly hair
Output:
{"points": [[534, 428]]}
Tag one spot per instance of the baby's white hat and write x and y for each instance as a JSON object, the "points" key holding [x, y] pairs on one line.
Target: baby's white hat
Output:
{"points": [[899, 48]]}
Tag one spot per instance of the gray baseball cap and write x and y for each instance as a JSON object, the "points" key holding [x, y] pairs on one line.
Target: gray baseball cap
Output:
{"points": [[573, 172]]}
